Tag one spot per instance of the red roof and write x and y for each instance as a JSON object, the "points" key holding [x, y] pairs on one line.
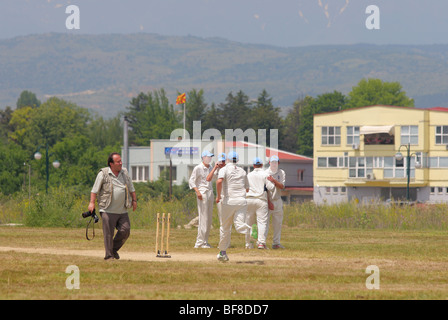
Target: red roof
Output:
{"points": [[439, 109], [365, 107], [300, 188], [387, 106], [282, 155]]}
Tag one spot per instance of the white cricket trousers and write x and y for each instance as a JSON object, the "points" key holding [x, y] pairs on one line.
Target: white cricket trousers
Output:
{"points": [[205, 213], [277, 220], [257, 211], [231, 214]]}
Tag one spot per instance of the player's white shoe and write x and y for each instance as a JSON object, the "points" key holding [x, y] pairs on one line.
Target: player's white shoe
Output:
{"points": [[261, 246], [203, 246]]}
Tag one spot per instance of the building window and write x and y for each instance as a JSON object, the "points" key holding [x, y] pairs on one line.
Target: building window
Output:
{"points": [[331, 136], [359, 167], [378, 162], [140, 173], [300, 175], [164, 172], [330, 162], [409, 135], [353, 135], [438, 162], [321, 162], [345, 162], [394, 168], [442, 135]]}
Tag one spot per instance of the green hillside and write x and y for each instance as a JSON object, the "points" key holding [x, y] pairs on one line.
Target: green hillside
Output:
{"points": [[103, 72]]}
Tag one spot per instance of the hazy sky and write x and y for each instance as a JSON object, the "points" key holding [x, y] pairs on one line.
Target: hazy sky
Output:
{"points": [[286, 23]]}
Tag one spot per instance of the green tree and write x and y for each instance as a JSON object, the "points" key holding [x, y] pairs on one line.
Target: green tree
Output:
{"points": [[27, 99], [305, 129], [235, 112], [265, 116], [290, 130], [211, 118], [80, 160], [56, 119], [370, 92], [195, 109], [103, 133], [19, 123], [5, 127], [151, 116], [12, 171], [327, 102]]}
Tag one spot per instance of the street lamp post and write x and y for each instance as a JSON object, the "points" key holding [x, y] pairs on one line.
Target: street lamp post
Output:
{"points": [[29, 180], [399, 157], [56, 163]]}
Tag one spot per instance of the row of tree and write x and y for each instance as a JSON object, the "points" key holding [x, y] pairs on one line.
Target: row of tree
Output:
{"points": [[81, 140], [152, 116]]}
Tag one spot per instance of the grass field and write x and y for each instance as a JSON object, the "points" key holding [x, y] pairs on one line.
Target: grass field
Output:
{"points": [[316, 264]]}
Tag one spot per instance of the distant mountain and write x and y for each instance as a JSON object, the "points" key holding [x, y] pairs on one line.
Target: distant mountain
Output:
{"points": [[103, 72]]}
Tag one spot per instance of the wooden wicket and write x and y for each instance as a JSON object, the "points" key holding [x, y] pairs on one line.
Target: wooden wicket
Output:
{"points": [[164, 239]]}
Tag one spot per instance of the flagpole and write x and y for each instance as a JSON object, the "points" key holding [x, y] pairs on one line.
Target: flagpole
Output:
{"points": [[184, 121], [182, 100]]}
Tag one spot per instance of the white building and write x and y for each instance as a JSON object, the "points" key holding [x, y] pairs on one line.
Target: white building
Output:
{"points": [[149, 163]]}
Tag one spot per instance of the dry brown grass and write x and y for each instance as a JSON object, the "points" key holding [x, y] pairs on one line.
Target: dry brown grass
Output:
{"points": [[317, 264]]}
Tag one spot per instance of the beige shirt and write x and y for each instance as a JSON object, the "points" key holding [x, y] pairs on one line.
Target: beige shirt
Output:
{"points": [[234, 184], [117, 204]]}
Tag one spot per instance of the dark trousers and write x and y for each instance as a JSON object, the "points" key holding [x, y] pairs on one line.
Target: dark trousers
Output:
{"points": [[112, 221]]}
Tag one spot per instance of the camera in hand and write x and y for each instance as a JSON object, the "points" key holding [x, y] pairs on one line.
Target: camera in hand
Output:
{"points": [[91, 214]]}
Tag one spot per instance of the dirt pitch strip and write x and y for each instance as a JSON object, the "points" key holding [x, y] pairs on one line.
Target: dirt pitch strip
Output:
{"points": [[206, 257]]}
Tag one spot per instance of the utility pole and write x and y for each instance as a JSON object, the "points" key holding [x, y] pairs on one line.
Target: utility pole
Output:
{"points": [[125, 144], [171, 177]]}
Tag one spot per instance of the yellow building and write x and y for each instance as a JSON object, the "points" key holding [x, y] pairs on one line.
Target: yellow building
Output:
{"points": [[356, 155]]}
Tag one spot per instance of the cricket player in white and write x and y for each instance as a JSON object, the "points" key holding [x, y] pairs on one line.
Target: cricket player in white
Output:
{"points": [[277, 177], [257, 203], [233, 184], [213, 176], [204, 192]]}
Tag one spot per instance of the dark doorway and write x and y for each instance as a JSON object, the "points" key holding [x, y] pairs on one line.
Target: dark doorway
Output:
{"points": [[398, 193]]}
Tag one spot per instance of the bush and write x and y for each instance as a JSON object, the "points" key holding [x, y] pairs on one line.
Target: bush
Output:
{"points": [[62, 207], [368, 216], [59, 208]]}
